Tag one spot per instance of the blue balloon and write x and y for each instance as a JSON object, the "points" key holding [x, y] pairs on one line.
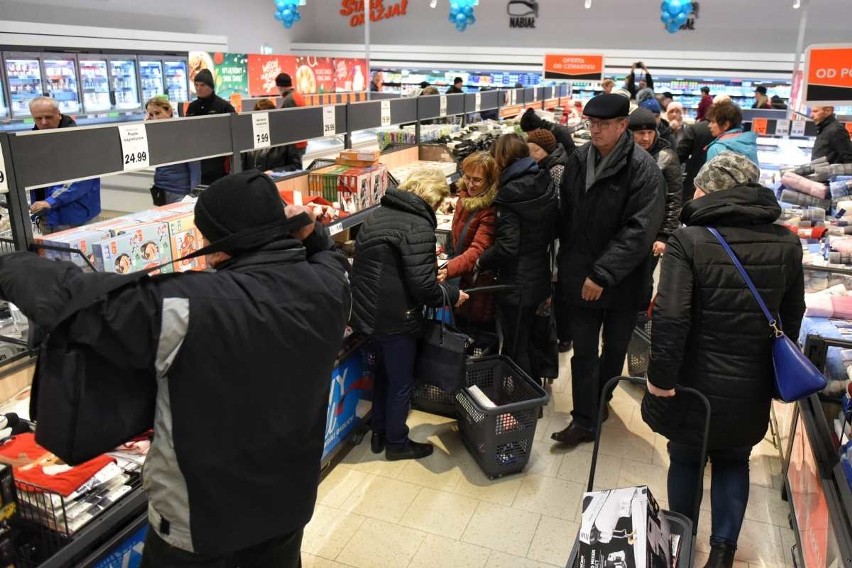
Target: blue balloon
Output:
{"points": [[461, 27], [672, 28], [686, 7], [663, 6], [461, 19], [665, 18], [297, 16], [454, 6], [680, 19], [674, 7], [280, 3], [467, 10], [471, 20]]}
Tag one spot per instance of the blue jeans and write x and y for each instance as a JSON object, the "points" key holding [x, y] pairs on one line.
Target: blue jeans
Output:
{"points": [[728, 492], [394, 381]]}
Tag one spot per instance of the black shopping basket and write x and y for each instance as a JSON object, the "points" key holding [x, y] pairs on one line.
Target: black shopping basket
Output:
{"points": [[680, 525], [500, 438], [433, 400], [639, 349]]}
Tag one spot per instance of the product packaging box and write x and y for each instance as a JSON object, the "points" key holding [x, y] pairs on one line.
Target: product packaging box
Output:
{"points": [[185, 239], [624, 528], [370, 156], [138, 248], [79, 238], [379, 183], [354, 190]]}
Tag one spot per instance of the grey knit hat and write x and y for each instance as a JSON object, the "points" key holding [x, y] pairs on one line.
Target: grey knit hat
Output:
{"points": [[726, 171]]}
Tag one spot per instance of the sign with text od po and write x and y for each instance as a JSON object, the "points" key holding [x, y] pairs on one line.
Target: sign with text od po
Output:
{"points": [[828, 75]]}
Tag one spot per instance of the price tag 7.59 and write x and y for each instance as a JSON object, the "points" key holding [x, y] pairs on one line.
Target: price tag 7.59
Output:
{"points": [[386, 113], [443, 105], [782, 127], [260, 129], [798, 128], [329, 121], [4, 183], [134, 146]]}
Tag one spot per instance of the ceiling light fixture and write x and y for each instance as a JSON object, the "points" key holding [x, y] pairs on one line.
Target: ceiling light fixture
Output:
{"points": [[588, 4], [797, 5], [433, 4]]}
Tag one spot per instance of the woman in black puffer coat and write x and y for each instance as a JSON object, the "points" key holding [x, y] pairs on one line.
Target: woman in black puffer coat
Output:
{"points": [[526, 209], [710, 334], [394, 275]]}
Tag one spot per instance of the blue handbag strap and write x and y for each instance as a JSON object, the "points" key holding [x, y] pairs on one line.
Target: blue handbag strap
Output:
{"points": [[772, 322]]}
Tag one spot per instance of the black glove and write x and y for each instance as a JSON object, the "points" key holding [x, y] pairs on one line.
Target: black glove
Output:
{"points": [[530, 121]]}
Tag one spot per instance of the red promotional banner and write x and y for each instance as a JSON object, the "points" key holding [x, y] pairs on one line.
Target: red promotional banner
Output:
{"points": [[262, 70], [350, 75]]}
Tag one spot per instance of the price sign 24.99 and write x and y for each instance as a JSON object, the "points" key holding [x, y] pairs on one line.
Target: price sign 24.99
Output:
{"points": [[134, 146]]}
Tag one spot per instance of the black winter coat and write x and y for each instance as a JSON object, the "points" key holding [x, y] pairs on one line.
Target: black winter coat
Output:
{"points": [[664, 131], [526, 209], [692, 151], [562, 134], [607, 232], [256, 338], [708, 331], [555, 163], [284, 158], [211, 168], [395, 271], [833, 142], [670, 166]]}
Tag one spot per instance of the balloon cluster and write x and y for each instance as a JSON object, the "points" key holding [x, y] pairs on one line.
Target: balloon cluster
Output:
{"points": [[287, 12], [675, 13], [461, 13]]}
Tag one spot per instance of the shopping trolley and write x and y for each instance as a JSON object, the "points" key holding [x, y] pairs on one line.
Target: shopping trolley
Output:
{"points": [[679, 525]]}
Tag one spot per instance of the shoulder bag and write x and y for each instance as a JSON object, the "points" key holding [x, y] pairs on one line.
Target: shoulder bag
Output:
{"points": [[795, 376], [442, 354]]}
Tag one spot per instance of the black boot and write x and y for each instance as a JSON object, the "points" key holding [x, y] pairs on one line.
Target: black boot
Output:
{"points": [[412, 451], [377, 443], [721, 556]]}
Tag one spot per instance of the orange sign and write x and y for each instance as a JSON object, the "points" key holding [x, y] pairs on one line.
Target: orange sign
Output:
{"points": [[354, 10], [759, 126], [569, 66], [828, 75], [262, 70], [849, 128]]}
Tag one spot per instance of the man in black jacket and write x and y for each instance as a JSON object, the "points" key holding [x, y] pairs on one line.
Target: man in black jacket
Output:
{"points": [[456, 87], [692, 152], [209, 103], [531, 121], [242, 359], [612, 209], [832, 140]]}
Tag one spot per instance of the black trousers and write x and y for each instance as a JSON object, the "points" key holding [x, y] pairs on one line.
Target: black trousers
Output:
{"points": [[591, 368], [516, 323], [394, 382], [281, 552]]}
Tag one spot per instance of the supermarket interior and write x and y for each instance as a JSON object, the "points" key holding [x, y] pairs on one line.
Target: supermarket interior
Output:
{"points": [[499, 206]]}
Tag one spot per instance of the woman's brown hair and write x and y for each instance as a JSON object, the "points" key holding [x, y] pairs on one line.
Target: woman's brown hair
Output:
{"points": [[508, 149]]}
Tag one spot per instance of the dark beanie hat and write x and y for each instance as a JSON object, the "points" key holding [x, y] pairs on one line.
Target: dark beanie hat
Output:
{"points": [[283, 80], [204, 76], [530, 120], [642, 119], [543, 138], [238, 202], [607, 106]]}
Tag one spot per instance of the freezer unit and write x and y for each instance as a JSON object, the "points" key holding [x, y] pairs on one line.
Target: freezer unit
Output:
{"points": [[4, 110], [94, 78], [177, 80], [60, 81], [151, 75], [24, 75], [123, 79]]}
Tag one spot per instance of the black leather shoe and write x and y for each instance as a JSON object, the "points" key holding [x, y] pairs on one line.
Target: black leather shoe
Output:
{"points": [[573, 436], [565, 346], [413, 451], [721, 556], [377, 443]]}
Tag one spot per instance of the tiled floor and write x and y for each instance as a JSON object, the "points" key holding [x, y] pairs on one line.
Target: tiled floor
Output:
{"points": [[442, 512]]}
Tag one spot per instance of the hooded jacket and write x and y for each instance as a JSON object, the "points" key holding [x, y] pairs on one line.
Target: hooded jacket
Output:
{"points": [[833, 142], [709, 332], [607, 232], [71, 204], [481, 213], [211, 168], [395, 272], [734, 140], [664, 131], [670, 166], [526, 208], [251, 344]]}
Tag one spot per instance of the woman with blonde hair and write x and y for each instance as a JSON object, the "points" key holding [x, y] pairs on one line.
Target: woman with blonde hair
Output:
{"points": [[171, 183], [393, 277], [472, 234]]}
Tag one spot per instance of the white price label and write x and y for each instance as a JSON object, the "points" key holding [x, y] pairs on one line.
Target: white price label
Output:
{"points": [[798, 128], [477, 102], [335, 229], [260, 129], [329, 121], [443, 109], [134, 146], [4, 183], [782, 127], [511, 99], [386, 113], [535, 95]]}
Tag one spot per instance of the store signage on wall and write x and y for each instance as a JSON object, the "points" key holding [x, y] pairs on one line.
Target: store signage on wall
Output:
{"points": [[828, 74], [574, 67], [354, 10], [522, 13], [230, 74]]}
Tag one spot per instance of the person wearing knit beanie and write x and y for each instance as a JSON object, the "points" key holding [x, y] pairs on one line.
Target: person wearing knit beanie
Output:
{"points": [[204, 77], [541, 142], [642, 119], [652, 105], [726, 171], [531, 121], [206, 104]]}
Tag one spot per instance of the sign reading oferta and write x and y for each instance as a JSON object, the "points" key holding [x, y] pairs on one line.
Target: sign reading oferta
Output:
{"points": [[522, 13]]}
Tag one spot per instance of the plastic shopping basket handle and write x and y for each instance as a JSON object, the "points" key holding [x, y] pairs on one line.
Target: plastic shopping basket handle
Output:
{"points": [[493, 288], [610, 386]]}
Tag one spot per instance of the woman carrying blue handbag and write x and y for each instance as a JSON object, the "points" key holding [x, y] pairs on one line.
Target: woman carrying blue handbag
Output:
{"points": [[712, 333]]}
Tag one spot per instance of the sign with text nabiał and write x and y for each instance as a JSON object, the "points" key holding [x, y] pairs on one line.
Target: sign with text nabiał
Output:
{"points": [[828, 74], [573, 67]]}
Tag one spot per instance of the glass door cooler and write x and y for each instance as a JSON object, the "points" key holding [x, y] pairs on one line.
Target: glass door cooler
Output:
{"points": [[23, 72], [177, 81], [4, 110], [95, 83], [123, 80], [151, 75], [60, 81]]}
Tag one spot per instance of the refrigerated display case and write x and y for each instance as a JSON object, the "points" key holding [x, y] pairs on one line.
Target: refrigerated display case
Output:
{"points": [[24, 75], [60, 81], [151, 76], [95, 84], [123, 79], [177, 80], [4, 110]]}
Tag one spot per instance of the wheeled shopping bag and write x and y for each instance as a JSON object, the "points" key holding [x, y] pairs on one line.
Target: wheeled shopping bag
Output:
{"points": [[603, 525]]}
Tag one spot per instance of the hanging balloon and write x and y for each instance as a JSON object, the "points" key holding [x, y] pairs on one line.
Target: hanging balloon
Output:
{"points": [[461, 13], [287, 12]]}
